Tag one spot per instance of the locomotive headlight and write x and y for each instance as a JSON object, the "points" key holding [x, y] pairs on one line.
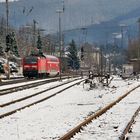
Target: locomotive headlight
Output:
{"points": [[34, 66], [26, 66]]}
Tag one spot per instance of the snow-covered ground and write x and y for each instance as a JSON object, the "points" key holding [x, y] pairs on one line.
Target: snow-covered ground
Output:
{"points": [[135, 130], [33, 99], [21, 84], [52, 118], [112, 124]]}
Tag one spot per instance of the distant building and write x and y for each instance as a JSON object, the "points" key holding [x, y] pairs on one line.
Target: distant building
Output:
{"points": [[91, 57], [136, 64]]}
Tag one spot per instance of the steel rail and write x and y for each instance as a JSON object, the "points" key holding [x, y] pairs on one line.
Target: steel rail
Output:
{"points": [[41, 100], [80, 126], [13, 81], [27, 86], [16, 80], [35, 94], [129, 125]]}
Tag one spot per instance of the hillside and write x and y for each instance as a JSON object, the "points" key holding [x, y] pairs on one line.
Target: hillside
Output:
{"points": [[95, 15]]}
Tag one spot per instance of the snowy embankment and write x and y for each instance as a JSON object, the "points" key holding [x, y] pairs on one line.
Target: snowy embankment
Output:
{"points": [[52, 118]]}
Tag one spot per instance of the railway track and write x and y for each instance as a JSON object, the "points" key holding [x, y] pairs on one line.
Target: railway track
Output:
{"points": [[12, 81], [15, 80], [34, 94], [18, 104], [129, 126], [96, 115], [29, 85]]}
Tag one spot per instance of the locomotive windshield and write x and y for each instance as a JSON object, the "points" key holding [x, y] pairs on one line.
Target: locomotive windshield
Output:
{"points": [[54, 60], [30, 60]]}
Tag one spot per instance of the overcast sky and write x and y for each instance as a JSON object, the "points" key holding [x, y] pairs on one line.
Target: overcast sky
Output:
{"points": [[78, 13]]}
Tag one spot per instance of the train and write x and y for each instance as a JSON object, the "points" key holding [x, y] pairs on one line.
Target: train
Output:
{"points": [[40, 66]]}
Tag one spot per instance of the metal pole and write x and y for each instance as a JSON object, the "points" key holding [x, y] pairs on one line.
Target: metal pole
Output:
{"points": [[34, 32], [101, 62], [122, 37], [60, 37], [7, 30], [114, 54], [122, 45], [138, 46], [122, 41], [60, 43], [34, 35], [7, 15]]}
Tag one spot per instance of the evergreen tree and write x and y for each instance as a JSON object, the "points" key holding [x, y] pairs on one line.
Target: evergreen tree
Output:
{"points": [[73, 60], [8, 42], [14, 47], [39, 44], [11, 44], [1, 50]]}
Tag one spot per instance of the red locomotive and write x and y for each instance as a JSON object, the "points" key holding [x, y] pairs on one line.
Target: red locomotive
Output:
{"points": [[40, 66]]}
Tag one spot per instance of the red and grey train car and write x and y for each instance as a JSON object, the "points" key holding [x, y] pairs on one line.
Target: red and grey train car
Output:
{"points": [[40, 66]]}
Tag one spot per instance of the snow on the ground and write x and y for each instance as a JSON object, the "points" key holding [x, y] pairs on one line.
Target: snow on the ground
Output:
{"points": [[111, 124], [35, 98], [21, 84], [27, 92], [52, 118], [135, 129]]}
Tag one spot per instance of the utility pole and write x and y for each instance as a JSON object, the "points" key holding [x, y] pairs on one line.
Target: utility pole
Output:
{"points": [[34, 37], [122, 36], [7, 16], [114, 50], [84, 30], [60, 37], [122, 26], [101, 62], [34, 32], [139, 28], [84, 35], [114, 54], [60, 41], [139, 45], [7, 31]]}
